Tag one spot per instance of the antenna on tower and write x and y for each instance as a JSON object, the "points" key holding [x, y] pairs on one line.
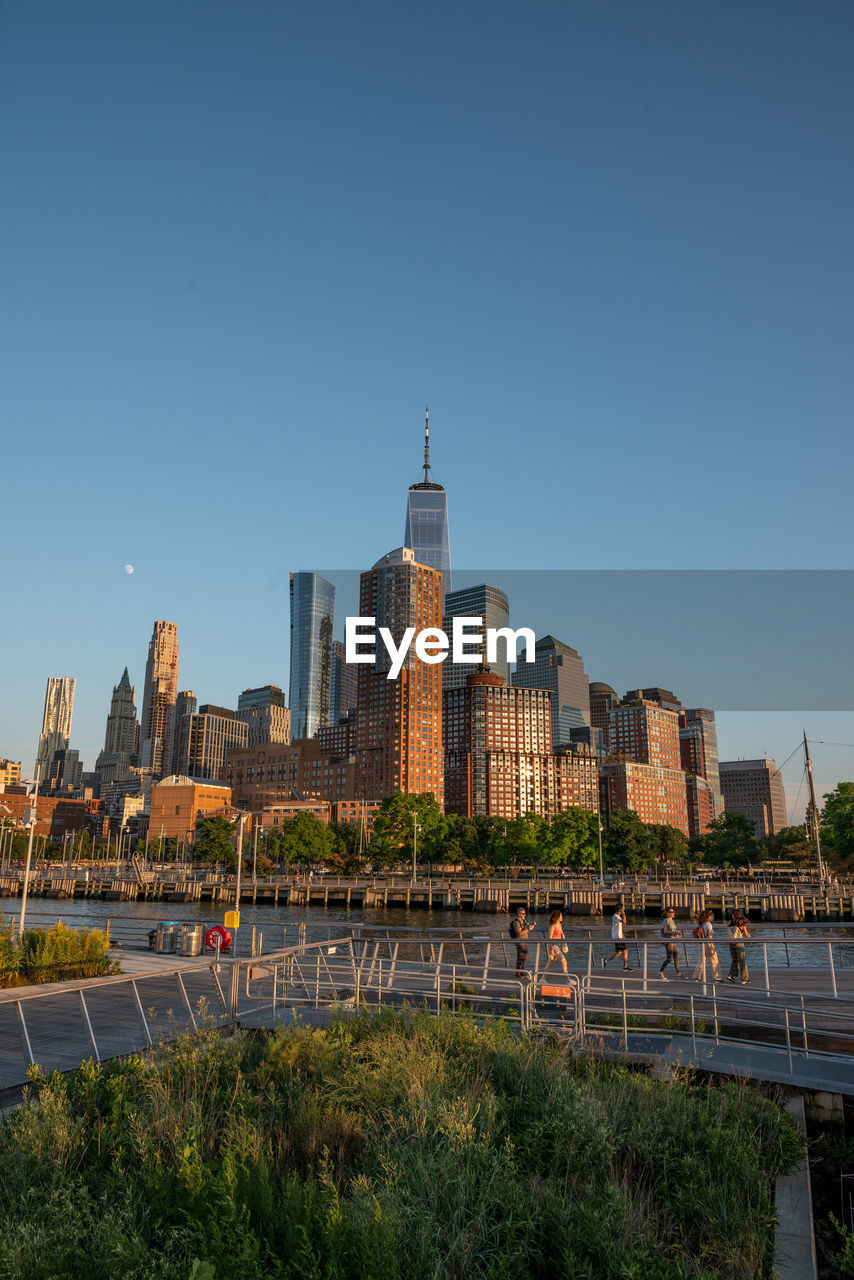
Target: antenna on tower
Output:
{"points": [[426, 443]]}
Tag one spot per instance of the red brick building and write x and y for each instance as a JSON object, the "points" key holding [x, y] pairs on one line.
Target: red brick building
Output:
{"points": [[398, 735]]}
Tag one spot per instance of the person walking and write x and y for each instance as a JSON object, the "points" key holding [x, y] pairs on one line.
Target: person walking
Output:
{"points": [[519, 929], [737, 933], [670, 933], [621, 947], [556, 946], [707, 949]]}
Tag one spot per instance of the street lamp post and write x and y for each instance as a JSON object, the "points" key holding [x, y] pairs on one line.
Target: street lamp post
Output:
{"points": [[32, 825], [601, 865], [414, 843]]}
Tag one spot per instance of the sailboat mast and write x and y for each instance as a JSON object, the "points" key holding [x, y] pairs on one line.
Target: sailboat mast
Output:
{"points": [[813, 806]]}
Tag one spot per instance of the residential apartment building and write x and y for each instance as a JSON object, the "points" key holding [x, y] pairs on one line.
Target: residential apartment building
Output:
{"points": [[206, 736], [263, 710]]}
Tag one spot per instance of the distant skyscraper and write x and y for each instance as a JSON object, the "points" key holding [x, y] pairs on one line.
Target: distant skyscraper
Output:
{"points": [[56, 722], [755, 788], [345, 684], [312, 616], [185, 705], [158, 698], [398, 733], [559, 669], [206, 736], [483, 601], [603, 699], [426, 529], [264, 711], [122, 727]]}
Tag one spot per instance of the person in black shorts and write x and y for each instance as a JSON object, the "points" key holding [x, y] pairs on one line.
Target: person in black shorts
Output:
{"points": [[519, 929]]}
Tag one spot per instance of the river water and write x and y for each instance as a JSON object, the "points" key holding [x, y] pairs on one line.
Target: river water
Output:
{"points": [[131, 922]]}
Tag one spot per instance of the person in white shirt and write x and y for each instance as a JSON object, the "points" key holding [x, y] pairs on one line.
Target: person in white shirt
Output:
{"points": [[621, 947], [704, 931]]}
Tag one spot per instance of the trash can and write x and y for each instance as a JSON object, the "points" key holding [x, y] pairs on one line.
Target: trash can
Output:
{"points": [[192, 936], [167, 936]]}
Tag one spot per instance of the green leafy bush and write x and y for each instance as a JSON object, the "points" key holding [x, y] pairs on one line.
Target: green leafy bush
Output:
{"points": [[55, 955]]}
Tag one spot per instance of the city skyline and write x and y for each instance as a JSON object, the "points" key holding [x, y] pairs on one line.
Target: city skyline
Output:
{"points": [[589, 254]]}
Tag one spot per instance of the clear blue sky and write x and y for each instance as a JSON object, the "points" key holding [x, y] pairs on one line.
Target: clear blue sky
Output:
{"points": [[242, 245]]}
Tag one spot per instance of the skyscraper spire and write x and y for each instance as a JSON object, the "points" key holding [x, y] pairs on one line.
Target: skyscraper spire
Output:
{"points": [[427, 518]]}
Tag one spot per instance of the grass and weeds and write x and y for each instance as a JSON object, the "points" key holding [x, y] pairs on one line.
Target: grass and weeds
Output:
{"points": [[386, 1147], [57, 954], [831, 1157]]}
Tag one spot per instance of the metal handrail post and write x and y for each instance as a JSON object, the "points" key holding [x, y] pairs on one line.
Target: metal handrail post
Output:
{"points": [[180, 978], [485, 966], [832, 970], [625, 1016], [693, 1026], [26, 1033], [767, 974], [645, 954], [142, 1011]]}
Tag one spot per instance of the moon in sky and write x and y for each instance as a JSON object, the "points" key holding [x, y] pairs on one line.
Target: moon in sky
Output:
{"points": [[128, 568]]}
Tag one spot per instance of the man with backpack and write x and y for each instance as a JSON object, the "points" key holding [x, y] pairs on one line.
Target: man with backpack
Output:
{"points": [[519, 930]]}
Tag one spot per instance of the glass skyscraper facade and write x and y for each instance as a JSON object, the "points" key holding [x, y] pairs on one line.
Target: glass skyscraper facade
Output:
{"points": [[312, 616], [426, 531], [560, 669], [491, 604]]}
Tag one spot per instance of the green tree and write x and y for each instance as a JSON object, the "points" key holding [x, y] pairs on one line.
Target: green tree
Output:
{"points": [[837, 820], [668, 844], [572, 839], [214, 841], [394, 829], [304, 838], [730, 839], [627, 842]]}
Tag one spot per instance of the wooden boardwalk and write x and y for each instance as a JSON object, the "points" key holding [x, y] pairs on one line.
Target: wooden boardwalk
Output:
{"points": [[794, 1030]]}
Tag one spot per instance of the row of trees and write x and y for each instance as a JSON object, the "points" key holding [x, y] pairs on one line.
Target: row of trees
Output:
{"points": [[571, 839]]}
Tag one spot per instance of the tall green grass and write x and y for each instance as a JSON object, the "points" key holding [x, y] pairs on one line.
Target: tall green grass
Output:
{"points": [[390, 1146], [54, 955]]}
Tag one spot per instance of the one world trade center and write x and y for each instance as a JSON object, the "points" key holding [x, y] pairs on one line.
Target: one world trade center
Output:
{"points": [[427, 519]]}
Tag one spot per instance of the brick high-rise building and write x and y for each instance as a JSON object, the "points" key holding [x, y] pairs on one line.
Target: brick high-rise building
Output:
{"points": [[755, 788], [646, 732], [56, 722], [648, 778], [279, 772], [558, 668], [498, 749], [656, 794], [398, 734], [264, 711], [158, 698]]}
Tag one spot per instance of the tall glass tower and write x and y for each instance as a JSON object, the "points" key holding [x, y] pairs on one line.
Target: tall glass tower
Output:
{"points": [[312, 615], [427, 519]]}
